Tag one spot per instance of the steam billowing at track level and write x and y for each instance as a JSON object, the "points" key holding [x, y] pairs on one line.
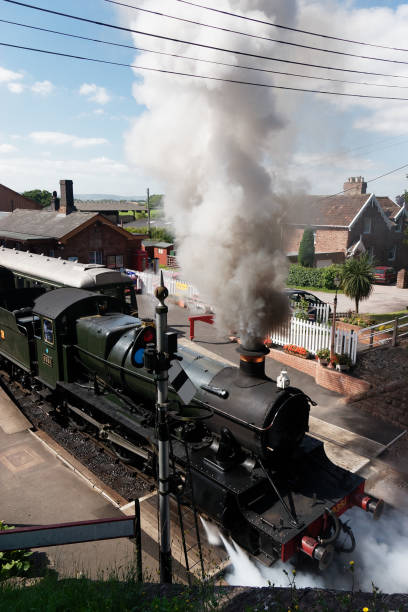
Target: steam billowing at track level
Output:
{"points": [[210, 145], [379, 559]]}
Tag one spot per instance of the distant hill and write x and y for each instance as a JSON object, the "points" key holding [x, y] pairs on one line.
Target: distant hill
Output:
{"points": [[108, 196]]}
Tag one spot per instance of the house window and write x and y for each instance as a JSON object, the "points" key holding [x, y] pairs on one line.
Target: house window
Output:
{"points": [[95, 257], [392, 253], [367, 225], [160, 251], [73, 258], [114, 261], [314, 237], [51, 253]]}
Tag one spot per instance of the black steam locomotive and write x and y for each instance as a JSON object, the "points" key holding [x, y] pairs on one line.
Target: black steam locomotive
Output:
{"points": [[240, 446]]}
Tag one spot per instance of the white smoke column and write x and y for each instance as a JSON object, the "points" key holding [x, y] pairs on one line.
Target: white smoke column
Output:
{"points": [[210, 145], [380, 559]]}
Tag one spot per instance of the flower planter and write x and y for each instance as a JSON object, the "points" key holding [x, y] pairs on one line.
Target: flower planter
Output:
{"points": [[342, 368], [294, 354], [323, 362]]}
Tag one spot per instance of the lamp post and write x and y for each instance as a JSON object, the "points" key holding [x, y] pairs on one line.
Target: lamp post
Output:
{"points": [[336, 281]]}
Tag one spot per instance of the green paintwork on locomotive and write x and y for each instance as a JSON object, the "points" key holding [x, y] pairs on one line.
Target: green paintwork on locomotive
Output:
{"points": [[14, 342]]}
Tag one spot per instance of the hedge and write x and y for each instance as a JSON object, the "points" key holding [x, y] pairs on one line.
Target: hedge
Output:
{"points": [[322, 278]]}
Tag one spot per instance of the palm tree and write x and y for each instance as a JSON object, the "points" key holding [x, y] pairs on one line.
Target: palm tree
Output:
{"points": [[357, 277]]}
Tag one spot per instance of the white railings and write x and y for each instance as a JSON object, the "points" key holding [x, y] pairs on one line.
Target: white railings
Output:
{"points": [[314, 336]]}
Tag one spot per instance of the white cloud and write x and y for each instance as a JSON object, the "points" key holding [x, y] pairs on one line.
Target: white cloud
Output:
{"points": [[42, 87], [99, 111], [8, 75], [7, 148], [94, 93], [60, 138], [16, 88], [101, 174]]}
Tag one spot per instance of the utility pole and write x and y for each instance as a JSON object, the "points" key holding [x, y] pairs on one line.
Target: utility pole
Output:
{"points": [[162, 380], [148, 212]]}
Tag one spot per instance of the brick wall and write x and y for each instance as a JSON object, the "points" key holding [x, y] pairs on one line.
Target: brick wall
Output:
{"points": [[10, 200], [104, 239], [331, 240], [330, 379]]}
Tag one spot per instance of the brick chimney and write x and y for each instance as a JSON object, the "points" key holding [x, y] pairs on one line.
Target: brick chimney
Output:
{"points": [[67, 197], [355, 185]]}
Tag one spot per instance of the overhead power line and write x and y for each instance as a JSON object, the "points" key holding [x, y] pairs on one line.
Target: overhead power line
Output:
{"points": [[291, 29], [202, 45], [275, 40], [201, 76], [198, 59]]}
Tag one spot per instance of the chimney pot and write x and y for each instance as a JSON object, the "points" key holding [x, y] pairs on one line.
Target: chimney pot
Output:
{"points": [[355, 185]]}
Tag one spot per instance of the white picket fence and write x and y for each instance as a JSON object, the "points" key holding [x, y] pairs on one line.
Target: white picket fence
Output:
{"points": [[315, 336]]}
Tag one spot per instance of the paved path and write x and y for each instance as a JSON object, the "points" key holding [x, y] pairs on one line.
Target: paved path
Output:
{"points": [[384, 298]]}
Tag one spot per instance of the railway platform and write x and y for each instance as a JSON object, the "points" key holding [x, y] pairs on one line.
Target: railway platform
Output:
{"points": [[42, 484]]}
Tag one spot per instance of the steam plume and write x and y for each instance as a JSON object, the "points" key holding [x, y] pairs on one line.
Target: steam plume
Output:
{"points": [[210, 145]]}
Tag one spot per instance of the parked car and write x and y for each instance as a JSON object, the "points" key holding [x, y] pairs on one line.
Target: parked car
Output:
{"points": [[385, 275], [296, 296]]}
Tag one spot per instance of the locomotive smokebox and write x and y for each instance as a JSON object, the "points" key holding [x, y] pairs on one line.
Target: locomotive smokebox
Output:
{"points": [[252, 358]]}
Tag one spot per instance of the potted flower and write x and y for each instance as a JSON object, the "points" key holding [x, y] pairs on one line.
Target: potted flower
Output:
{"points": [[323, 356], [343, 363]]}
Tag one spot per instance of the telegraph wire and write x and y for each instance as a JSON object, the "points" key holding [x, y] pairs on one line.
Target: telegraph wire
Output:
{"points": [[345, 191], [200, 76], [195, 44], [275, 40], [196, 59], [291, 29]]}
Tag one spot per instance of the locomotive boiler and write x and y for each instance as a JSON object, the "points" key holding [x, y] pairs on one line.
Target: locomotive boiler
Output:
{"points": [[240, 448]]}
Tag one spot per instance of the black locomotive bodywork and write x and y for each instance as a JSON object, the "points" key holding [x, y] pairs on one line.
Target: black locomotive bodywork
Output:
{"points": [[251, 465]]}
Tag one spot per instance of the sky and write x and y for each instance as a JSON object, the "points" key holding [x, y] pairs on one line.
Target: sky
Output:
{"points": [[65, 118]]}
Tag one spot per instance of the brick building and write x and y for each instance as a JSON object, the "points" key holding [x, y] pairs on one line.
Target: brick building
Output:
{"points": [[64, 232], [10, 200], [348, 224]]}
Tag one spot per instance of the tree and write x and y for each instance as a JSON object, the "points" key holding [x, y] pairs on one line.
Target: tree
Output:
{"points": [[357, 277], [306, 249], [42, 197]]}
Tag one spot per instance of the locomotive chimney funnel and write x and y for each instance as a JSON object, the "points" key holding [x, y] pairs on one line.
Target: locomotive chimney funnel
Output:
{"points": [[252, 358]]}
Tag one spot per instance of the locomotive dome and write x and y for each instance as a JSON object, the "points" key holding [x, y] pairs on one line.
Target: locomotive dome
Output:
{"points": [[60, 272]]}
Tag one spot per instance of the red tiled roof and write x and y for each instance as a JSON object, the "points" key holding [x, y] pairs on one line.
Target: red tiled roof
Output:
{"points": [[336, 211], [389, 207], [331, 211]]}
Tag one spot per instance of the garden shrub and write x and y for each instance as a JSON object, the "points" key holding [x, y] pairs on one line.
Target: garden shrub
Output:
{"points": [[321, 278]]}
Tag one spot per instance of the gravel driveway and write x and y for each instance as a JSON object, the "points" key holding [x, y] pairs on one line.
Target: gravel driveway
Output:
{"points": [[384, 298]]}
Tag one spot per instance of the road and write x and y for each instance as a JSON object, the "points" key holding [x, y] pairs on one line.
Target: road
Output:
{"points": [[384, 298]]}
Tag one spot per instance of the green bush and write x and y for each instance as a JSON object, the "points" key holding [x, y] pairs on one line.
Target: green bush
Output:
{"points": [[321, 278], [13, 562]]}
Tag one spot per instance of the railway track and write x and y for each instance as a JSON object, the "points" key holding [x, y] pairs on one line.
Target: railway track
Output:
{"points": [[96, 455]]}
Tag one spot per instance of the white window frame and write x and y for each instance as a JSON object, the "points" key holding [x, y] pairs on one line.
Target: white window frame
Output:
{"points": [[94, 256], [368, 221]]}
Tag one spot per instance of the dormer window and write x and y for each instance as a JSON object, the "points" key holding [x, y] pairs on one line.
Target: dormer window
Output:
{"points": [[367, 225]]}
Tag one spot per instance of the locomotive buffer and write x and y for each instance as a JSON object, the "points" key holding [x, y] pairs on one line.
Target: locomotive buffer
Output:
{"points": [[159, 361]]}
